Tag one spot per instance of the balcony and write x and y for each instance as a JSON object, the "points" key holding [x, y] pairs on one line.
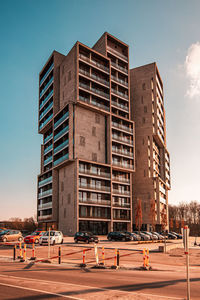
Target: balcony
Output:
{"points": [[87, 216], [45, 206], [45, 181], [61, 133], [48, 160], [95, 202], [46, 87], [46, 99], [61, 159], [127, 218], [45, 217], [121, 179], [61, 146], [119, 67], [96, 78], [123, 127], [46, 121], [113, 51], [62, 119], [121, 192], [94, 63], [48, 149], [126, 108], [122, 165], [96, 188], [162, 190], [119, 94], [119, 80], [48, 138], [122, 152], [163, 200], [46, 74], [94, 103], [93, 90], [123, 205], [45, 193], [46, 111], [101, 174], [122, 139]]}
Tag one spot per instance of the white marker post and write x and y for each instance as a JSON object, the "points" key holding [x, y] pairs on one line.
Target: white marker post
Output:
{"points": [[186, 246], [96, 254], [49, 244]]}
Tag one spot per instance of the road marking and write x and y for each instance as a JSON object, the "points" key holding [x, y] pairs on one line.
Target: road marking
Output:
{"points": [[90, 287], [40, 291]]}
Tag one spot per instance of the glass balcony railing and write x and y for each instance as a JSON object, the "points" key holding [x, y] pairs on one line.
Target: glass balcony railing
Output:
{"points": [[95, 201], [93, 62], [46, 87], [119, 204], [122, 164], [123, 152], [45, 181], [46, 121], [123, 95], [119, 80], [61, 159], [61, 146], [45, 206], [46, 110], [122, 139], [45, 217], [123, 192], [95, 91], [123, 127], [119, 67], [117, 53], [58, 135], [48, 160], [120, 106], [93, 102], [45, 193], [46, 74], [48, 149], [120, 179], [100, 174], [97, 188], [63, 118], [48, 138], [97, 78], [46, 99]]}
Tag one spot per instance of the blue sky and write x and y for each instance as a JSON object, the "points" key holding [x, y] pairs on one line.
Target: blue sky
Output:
{"points": [[163, 31]]}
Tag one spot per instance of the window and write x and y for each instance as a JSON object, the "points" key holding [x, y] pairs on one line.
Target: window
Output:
{"points": [[93, 131], [97, 118], [94, 156], [99, 145], [69, 76], [82, 140]]}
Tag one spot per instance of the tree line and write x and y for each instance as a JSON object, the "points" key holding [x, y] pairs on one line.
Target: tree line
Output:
{"points": [[185, 214], [27, 224]]}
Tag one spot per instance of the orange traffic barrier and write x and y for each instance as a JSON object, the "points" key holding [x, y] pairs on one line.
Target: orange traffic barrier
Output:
{"points": [[83, 257], [103, 255], [115, 258], [33, 252], [144, 258]]}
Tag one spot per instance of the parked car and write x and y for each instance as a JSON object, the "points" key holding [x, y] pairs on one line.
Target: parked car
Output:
{"points": [[119, 236], [144, 237], [178, 235], [134, 236], [10, 236], [56, 237], [153, 237], [34, 237], [171, 236], [86, 237], [160, 236]]}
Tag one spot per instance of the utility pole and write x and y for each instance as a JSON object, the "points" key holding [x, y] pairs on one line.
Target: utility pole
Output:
{"points": [[186, 246]]}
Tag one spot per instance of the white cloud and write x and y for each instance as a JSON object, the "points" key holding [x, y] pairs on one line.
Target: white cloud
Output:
{"points": [[192, 66]]}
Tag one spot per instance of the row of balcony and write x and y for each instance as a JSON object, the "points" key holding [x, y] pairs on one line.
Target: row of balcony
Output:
{"points": [[117, 53], [120, 179], [61, 159], [122, 139], [61, 146], [121, 192], [46, 74], [103, 203], [44, 217], [123, 127], [100, 174], [48, 138], [93, 62], [46, 99], [48, 149], [116, 92], [62, 119], [45, 206], [45, 193], [123, 152], [95, 91], [93, 187], [61, 133], [45, 181], [119, 67], [46, 121], [93, 102], [46, 110], [95, 77], [120, 105], [48, 160], [46, 87], [122, 164], [121, 81]]}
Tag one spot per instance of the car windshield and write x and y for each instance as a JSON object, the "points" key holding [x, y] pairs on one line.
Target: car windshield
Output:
{"points": [[52, 233], [4, 232]]}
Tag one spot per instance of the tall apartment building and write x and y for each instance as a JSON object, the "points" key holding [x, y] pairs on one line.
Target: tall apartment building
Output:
{"points": [[151, 181], [87, 155]]}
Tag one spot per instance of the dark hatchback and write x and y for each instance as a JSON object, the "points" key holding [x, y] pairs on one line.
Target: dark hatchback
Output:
{"points": [[85, 237], [119, 236]]}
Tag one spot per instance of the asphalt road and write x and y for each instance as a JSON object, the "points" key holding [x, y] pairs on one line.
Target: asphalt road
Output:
{"points": [[41, 281]]}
